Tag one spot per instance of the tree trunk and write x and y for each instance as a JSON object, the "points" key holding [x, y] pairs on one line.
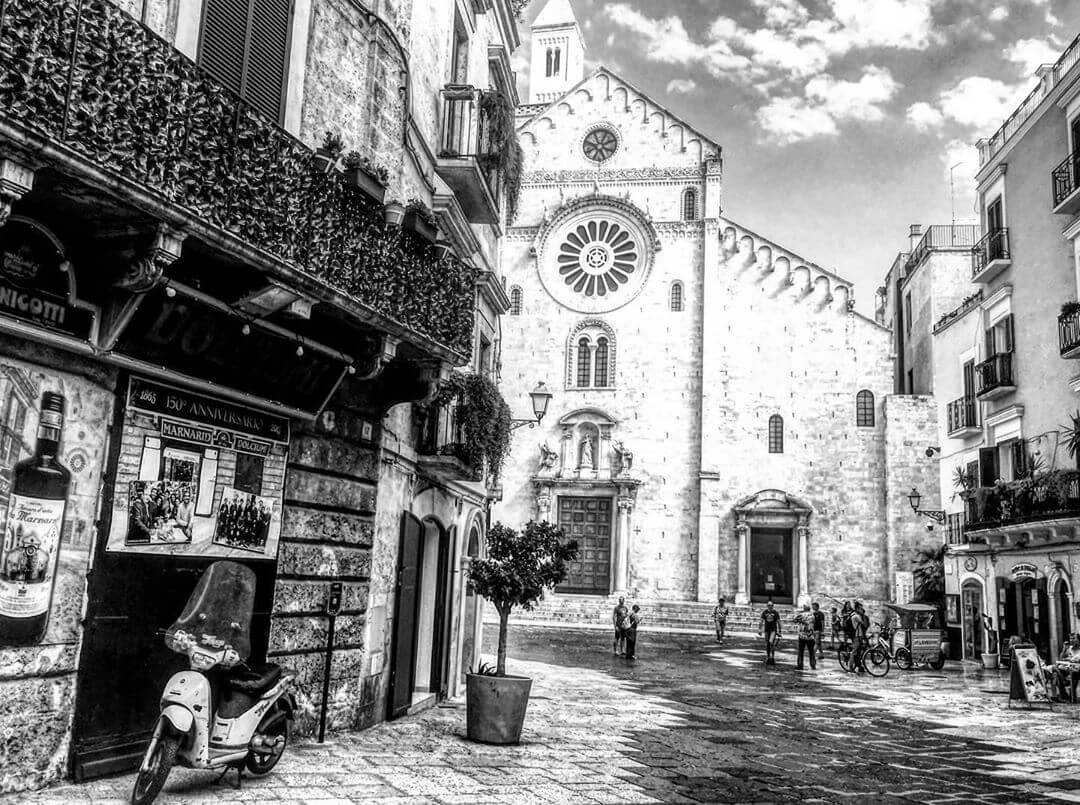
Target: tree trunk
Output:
{"points": [[504, 622]]}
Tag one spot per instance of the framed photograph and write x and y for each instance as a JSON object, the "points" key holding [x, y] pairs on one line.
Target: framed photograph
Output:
{"points": [[243, 520], [952, 609], [160, 512]]}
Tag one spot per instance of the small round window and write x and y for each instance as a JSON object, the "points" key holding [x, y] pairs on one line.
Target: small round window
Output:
{"points": [[600, 144]]}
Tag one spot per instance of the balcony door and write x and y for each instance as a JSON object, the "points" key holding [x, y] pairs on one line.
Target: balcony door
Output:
{"points": [[995, 216], [1074, 129], [969, 380]]}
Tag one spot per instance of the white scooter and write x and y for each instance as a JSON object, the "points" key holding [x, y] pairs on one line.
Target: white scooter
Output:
{"points": [[221, 714]]}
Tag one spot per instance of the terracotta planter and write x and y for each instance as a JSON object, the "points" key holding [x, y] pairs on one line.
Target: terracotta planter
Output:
{"points": [[366, 183], [421, 227], [496, 707], [393, 213], [990, 661]]}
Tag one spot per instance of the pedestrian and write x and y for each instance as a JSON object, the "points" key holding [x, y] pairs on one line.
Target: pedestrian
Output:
{"points": [[630, 632], [835, 628], [619, 620], [860, 623], [805, 620], [719, 615], [819, 630], [769, 628]]}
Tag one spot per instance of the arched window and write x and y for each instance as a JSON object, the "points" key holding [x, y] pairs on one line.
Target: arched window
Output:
{"points": [[557, 69], [689, 205], [776, 434], [584, 361], [550, 62], [515, 301], [600, 374], [864, 409], [676, 297]]}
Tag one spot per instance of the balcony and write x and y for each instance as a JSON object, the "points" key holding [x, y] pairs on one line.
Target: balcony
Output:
{"points": [[1069, 333], [994, 377], [991, 256], [439, 448], [1065, 181], [120, 113], [957, 237], [468, 159], [963, 417], [1017, 507]]}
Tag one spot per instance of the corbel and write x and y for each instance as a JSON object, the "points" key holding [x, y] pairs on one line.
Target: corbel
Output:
{"points": [[16, 180], [379, 352]]}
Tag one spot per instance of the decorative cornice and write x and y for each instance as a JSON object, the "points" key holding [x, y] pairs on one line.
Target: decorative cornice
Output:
{"points": [[590, 175]]}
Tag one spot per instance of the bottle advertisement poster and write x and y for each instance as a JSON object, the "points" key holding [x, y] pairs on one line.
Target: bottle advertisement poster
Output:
{"points": [[198, 476], [52, 455]]}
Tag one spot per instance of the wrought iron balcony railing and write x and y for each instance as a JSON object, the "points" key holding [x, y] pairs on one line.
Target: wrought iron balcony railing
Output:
{"points": [[87, 76], [467, 132], [993, 247], [962, 415], [1051, 496], [941, 237], [1065, 179], [1069, 334], [995, 375]]}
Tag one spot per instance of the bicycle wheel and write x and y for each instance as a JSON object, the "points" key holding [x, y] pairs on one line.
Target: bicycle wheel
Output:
{"points": [[876, 662], [903, 659], [843, 656]]}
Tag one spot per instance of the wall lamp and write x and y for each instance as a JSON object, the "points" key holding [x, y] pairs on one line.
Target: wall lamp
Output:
{"points": [[914, 498], [540, 397]]}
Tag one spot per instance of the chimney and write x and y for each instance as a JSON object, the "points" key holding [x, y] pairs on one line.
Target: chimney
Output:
{"points": [[914, 236]]}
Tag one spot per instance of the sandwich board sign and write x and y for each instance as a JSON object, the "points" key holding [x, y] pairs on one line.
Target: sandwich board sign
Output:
{"points": [[1027, 678]]}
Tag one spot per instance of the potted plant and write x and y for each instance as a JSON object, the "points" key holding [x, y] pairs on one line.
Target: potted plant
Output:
{"points": [[990, 658], [393, 213], [327, 154], [516, 571], [1069, 308], [421, 220], [367, 177]]}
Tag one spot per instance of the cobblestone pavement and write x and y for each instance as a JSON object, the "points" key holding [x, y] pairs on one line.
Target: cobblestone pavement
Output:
{"points": [[688, 721]]}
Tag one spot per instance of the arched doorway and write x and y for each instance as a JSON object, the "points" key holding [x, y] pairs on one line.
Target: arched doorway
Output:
{"points": [[971, 618], [1059, 594], [470, 610], [772, 529]]}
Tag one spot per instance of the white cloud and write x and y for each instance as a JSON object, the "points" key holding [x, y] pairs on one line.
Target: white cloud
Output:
{"points": [[998, 13], [901, 24], [681, 86], [1030, 53], [981, 103], [925, 117], [790, 120]]}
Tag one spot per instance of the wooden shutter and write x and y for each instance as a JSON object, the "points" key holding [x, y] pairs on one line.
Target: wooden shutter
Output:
{"points": [[1019, 459], [988, 466], [225, 41], [1007, 333], [969, 379]]}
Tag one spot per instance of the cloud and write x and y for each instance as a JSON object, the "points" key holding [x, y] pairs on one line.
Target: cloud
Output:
{"points": [[791, 120], [925, 117], [1030, 53], [681, 86], [998, 13], [980, 103]]}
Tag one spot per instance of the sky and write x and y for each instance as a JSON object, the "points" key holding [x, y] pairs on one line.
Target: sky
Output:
{"points": [[841, 121]]}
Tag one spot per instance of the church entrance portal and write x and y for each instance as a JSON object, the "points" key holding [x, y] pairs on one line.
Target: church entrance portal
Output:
{"points": [[772, 565], [588, 520]]}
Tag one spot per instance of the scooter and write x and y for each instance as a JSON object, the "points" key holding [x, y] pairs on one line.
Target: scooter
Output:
{"points": [[222, 713]]}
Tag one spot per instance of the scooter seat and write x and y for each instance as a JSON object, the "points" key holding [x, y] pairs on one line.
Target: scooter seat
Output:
{"points": [[254, 681]]}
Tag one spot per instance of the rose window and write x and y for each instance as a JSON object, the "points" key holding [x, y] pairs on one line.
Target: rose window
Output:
{"points": [[600, 145], [597, 258]]}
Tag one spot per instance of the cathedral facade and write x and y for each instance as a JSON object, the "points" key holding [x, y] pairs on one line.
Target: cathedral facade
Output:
{"points": [[721, 421]]}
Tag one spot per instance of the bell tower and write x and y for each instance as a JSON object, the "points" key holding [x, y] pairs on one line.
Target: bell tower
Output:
{"points": [[558, 52]]}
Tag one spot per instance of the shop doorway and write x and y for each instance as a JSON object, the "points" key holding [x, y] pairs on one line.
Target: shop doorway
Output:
{"points": [[1063, 626], [421, 615], [772, 566], [971, 612], [1032, 605]]}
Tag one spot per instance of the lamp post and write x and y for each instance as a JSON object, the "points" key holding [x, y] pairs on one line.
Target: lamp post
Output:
{"points": [[914, 498], [540, 397]]}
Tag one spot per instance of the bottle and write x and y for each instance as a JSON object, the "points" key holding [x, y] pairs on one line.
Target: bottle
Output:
{"points": [[31, 547]]}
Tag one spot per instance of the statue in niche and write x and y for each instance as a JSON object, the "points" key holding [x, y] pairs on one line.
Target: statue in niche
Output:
{"points": [[548, 459], [586, 452], [625, 458]]}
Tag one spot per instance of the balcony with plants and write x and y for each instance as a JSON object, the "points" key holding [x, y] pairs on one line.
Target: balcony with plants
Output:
{"points": [[991, 255], [101, 98], [1069, 330]]}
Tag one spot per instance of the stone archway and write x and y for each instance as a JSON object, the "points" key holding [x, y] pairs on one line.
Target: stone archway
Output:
{"points": [[1059, 592], [773, 530]]}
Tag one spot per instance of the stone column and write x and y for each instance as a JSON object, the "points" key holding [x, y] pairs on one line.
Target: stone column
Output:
{"points": [[621, 551], [803, 534], [742, 532], [568, 465]]}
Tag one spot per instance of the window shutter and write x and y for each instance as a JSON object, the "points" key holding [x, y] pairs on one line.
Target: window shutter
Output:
{"points": [[1007, 329], [1019, 457], [991, 345], [225, 41], [268, 56]]}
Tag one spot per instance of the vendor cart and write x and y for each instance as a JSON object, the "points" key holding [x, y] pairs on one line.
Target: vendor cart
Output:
{"points": [[920, 632]]}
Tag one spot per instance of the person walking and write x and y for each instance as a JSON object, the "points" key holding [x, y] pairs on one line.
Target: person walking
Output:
{"points": [[619, 618], [807, 629], [719, 615], [769, 628], [633, 621], [819, 629], [860, 623], [836, 629]]}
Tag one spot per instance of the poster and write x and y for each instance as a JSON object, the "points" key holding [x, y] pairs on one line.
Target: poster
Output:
{"points": [[198, 476], [45, 544], [952, 609]]}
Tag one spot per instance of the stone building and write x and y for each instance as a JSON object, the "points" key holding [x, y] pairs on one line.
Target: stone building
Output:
{"points": [[240, 324], [722, 420]]}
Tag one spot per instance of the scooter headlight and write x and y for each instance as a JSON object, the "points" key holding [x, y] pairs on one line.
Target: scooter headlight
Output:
{"points": [[202, 661]]}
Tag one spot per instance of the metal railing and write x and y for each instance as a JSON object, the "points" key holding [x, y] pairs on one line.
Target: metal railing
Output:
{"points": [[955, 527], [994, 245], [1069, 331], [962, 414], [944, 236], [1053, 495], [1065, 178], [467, 131], [994, 373]]}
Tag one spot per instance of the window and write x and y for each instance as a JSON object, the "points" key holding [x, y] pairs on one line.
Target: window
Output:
{"points": [[969, 379], [484, 358], [600, 375], [907, 314], [999, 337], [249, 473], [776, 434], [1019, 459], [676, 297], [689, 205], [988, 466], [556, 65], [549, 63], [459, 57], [864, 409], [515, 301], [245, 46], [600, 144], [584, 363], [995, 215]]}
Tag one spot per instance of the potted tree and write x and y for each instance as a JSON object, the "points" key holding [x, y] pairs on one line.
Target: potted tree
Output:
{"points": [[421, 220], [367, 177], [517, 570], [327, 154]]}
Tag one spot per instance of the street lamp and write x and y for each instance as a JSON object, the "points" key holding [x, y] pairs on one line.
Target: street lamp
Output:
{"points": [[540, 397], [914, 498]]}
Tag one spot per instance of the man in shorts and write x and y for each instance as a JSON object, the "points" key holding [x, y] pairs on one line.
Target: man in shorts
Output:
{"points": [[769, 628], [619, 618], [819, 629]]}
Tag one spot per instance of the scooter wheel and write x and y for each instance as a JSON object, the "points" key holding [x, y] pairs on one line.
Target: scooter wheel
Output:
{"points": [[258, 764], [149, 782]]}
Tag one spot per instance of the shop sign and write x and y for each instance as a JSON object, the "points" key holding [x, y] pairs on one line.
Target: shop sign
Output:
{"points": [[1023, 570], [212, 437], [34, 287]]}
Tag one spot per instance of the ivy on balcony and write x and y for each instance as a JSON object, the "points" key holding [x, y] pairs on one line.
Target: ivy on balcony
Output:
{"points": [[483, 421], [89, 76]]}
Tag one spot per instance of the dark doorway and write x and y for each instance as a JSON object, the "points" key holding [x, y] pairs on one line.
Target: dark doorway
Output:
{"points": [[971, 611], [772, 567], [1033, 611], [1064, 624], [588, 520], [405, 602]]}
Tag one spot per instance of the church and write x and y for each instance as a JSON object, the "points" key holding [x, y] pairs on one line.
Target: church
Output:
{"points": [[722, 419]]}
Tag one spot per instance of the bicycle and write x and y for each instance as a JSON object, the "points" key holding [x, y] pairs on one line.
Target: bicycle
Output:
{"points": [[901, 656], [874, 660]]}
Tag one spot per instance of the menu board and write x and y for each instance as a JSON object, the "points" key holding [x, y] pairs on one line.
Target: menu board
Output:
{"points": [[1028, 678]]}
